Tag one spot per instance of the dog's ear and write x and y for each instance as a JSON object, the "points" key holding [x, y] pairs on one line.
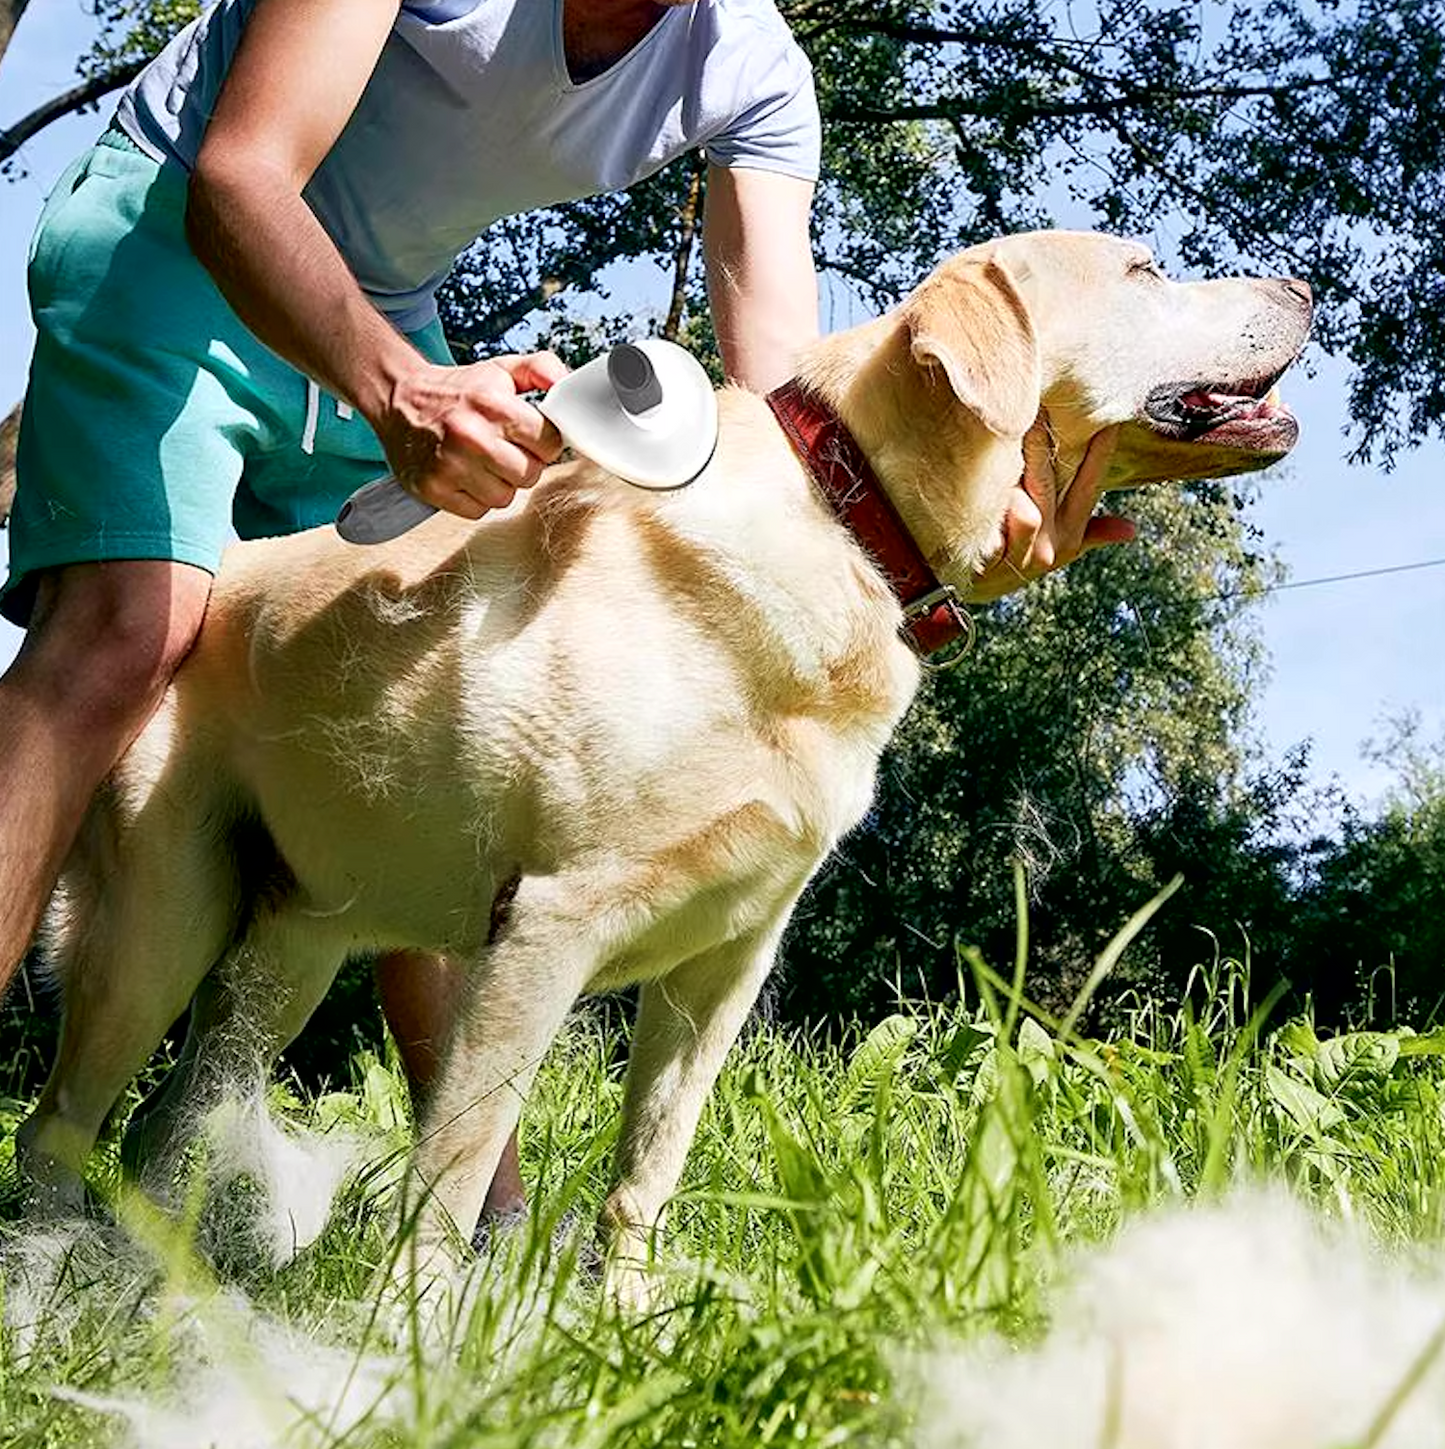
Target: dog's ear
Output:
{"points": [[969, 319]]}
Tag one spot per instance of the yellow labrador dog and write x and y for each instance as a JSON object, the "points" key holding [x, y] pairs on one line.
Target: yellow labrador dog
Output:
{"points": [[655, 712]]}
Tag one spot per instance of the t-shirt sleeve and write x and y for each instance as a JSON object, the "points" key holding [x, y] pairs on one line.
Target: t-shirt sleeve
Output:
{"points": [[778, 129]]}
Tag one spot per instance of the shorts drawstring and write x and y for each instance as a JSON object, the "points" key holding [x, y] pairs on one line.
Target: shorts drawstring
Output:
{"points": [[344, 411], [313, 410]]}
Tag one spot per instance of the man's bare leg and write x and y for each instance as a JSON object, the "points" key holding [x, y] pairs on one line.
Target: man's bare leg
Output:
{"points": [[102, 646], [419, 994]]}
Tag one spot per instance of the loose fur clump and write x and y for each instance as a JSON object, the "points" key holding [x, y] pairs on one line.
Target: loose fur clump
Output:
{"points": [[271, 1190], [1252, 1325], [246, 1382], [54, 1277]]}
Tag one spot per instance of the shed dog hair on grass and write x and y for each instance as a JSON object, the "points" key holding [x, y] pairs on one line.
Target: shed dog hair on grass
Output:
{"points": [[1251, 1325]]}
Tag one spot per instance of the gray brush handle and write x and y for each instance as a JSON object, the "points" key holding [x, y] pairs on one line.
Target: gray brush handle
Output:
{"points": [[380, 511]]}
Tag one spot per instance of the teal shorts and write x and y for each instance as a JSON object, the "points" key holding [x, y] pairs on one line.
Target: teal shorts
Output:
{"points": [[154, 422]]}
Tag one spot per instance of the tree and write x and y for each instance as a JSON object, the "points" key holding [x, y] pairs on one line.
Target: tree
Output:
{"points": [[1297, 135], [1096, 709], [1371, 920]]}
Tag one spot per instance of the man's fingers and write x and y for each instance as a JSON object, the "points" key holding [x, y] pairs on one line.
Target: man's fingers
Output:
{"points": [[1023, 526], [533, 370], [518, 421], [1088, 485], [1039, 480], [480, 495], [497, 461], [526, 429]]}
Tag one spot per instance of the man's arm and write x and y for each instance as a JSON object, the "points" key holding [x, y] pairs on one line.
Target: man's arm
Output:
{"points": [[761, 282], [460, 437]]}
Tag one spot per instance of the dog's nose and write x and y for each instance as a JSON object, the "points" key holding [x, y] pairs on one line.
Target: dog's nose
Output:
{"points": [[1299, 290]]}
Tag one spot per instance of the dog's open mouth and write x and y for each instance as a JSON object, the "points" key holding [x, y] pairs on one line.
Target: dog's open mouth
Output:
{"points": [[1247, 416]]}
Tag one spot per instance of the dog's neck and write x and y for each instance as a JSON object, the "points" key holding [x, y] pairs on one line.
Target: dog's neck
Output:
{"points": [[933, 617], [946, 475]]}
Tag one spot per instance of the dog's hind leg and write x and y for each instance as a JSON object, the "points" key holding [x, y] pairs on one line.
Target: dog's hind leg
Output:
{"points": [[137, 930], [251, 1006]]}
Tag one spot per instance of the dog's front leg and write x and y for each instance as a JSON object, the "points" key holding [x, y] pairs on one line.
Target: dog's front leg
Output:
{"points": [[514, 1003], [686, 1024]]}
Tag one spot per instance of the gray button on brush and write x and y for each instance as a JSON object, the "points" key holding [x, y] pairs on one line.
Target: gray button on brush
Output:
{"points": [[634, 379]]}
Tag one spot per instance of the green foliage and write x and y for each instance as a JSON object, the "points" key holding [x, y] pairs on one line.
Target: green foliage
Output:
{"points": [[134, 30], [1293, 135], [1372, 920], [845, 1206]]}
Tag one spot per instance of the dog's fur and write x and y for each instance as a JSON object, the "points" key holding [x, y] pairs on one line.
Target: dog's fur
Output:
{"points": [[657, 712]]}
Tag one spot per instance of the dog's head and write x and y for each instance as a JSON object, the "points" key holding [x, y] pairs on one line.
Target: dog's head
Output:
{"points": [[1088, 328], [1087, 331]]}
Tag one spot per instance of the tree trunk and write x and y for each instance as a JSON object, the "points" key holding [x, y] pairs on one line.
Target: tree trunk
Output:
{"points": [[9, 435], [10, 13], [682, 258]]}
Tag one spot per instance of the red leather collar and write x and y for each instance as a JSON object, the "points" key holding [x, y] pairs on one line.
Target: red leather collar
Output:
{"points": [[932, 614]]}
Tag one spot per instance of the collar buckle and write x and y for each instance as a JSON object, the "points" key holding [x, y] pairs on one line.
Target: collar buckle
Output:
{"points": [[938, 628]]}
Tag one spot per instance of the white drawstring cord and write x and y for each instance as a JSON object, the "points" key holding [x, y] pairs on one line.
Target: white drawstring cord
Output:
{"points": [[313, 410]]}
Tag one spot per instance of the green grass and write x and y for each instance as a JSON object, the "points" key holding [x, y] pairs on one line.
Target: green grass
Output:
{"points": [[846, 1202]]}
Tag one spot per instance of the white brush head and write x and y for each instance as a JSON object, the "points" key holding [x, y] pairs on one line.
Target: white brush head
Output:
{"points": [[645, 411]]}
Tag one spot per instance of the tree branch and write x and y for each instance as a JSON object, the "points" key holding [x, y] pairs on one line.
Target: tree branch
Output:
{"points": [[932, 34], [9, 437], [489, 329], [65, 104], [954, 109]]}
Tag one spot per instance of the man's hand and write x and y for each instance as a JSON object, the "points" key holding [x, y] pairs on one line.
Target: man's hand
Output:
{"points": [[463, 439], [1042, 532]]}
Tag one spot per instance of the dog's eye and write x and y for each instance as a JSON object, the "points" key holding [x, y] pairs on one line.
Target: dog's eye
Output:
{"points": [[1146, 266]]}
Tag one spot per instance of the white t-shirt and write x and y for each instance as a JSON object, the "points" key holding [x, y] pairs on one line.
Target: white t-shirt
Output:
{"points": [[471, 116]]}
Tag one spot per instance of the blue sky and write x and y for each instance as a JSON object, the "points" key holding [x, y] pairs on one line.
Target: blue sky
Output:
{"points": [[1344, 656]]}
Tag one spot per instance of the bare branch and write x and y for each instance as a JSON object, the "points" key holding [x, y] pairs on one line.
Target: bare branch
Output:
{"points": [[65, 104]]}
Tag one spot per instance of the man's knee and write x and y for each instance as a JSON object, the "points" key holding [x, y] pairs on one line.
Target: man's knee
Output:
{"points": [[106, 638]]}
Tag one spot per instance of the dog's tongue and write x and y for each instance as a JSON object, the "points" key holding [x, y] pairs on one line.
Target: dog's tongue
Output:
{"points": [[1241, 404], [1207, 400]]}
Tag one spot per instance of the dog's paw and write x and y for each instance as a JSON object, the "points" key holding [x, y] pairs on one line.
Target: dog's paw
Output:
{"points": [[44, 1192], [631, 1283]]}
